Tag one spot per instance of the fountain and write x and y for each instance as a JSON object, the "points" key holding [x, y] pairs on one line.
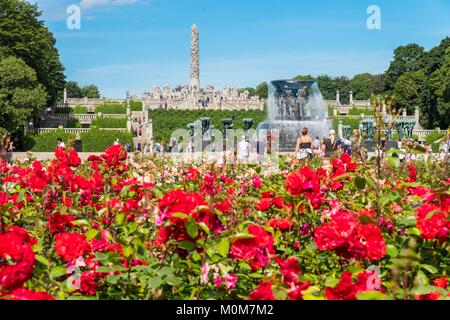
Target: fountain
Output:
{"points": [[293, 105]]}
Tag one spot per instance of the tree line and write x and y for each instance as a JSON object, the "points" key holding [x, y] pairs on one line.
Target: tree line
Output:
{"points": [[415, 77]]}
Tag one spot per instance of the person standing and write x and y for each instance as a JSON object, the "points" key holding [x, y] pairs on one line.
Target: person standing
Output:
{"points": [[303, 149], [60, 143], [330, 144], [243, 150]]}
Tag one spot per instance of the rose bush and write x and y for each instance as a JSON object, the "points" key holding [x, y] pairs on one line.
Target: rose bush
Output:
{"points": [[114, 227]]}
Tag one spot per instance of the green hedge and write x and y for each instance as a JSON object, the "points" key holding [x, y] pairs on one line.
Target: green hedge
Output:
{"points": [[73, 123], [46, 142], [93, 141], [354, 123], [136, 105], [105, 122], [358, 111], [166, 121], [74, 110], [99, 140], [111, 109]]}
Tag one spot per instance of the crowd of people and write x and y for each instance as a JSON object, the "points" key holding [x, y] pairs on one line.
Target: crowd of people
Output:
{"points": [[307, 147]]}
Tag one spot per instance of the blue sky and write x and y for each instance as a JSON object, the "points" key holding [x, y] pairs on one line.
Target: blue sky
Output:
{"points": [[135, 44]]}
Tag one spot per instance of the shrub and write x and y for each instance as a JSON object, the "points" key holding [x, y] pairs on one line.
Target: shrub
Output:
{"points": [[73, 123], [45, 142], [98, 140], [74, 110], [80, 110], [433, 140], [136, 105], [94, 141], [105, 122], [111, 109], [166, 121], [358, 111]]}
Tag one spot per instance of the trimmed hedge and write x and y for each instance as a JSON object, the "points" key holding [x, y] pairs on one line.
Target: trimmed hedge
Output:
{"points": [[167, 121], [46, 142], [93, 141], [105, 122], [74, 110], [354, 123], [136, 105], [111, 109], [73, 123], [98, 140], [358, 111]]}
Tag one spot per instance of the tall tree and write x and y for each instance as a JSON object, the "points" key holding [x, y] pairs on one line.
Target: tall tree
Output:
{"points": [[408, 90], [440, 86], [90, 91], [407, 58], [262, 90], [21, 95], [73, 90], [24, 36], [327, 87]]}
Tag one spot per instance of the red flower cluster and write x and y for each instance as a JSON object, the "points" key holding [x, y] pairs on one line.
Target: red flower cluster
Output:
{"points": [[191, 204], [349, 238], [16, 245], [255, 250], [280, 224], [347, 289], [71, 246], [306, 182], [432, 222], [263, 292], [268, 200], [25, 294]]}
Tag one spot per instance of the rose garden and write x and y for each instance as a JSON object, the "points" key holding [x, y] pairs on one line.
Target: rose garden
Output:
{"points": [[330, 188]]}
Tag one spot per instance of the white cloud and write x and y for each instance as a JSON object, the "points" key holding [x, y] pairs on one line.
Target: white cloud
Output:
{"points": [[86, 4]]}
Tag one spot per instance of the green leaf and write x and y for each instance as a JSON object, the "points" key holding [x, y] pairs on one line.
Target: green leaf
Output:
{"points": [[158, 193], [173, 280], [243, 236], [204, 227], [187, 245], [104, 269], [429, 268], [372, 295], [371, 183], [192, 228], [120, 218], [223, 247], [57, 272], [360, 183], [154, 282], [127, 251], [81, 222], [413, 231], [92, 233], [21, 196], [42, 260], [181, 215], [196, 257], [392, 251]]}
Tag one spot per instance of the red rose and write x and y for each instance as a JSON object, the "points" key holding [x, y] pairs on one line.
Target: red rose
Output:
{"points": [[25, 294], [289, 269], [74, 159], [280, 224], [263, 292], [70, 246], [57, 222]]}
